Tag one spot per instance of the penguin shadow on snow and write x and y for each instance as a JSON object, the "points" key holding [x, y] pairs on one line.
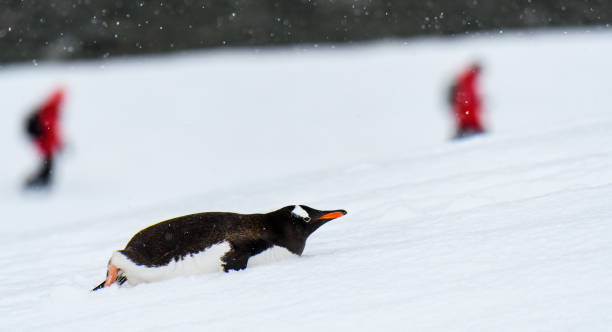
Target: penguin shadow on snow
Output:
{"points": [[213, 242]]}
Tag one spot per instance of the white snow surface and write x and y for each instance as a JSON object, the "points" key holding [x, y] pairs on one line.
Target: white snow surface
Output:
{"points": [[510, 231]]}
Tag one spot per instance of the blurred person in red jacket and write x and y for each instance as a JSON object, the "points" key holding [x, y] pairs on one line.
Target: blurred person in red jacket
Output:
{"points": [[467, 103], [42, 126]]}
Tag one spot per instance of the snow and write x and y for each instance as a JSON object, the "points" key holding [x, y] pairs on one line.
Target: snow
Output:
{"points": [[505, 232]]}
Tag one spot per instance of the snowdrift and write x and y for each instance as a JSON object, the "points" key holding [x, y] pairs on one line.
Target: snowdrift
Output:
{"points": [[507, 231]]}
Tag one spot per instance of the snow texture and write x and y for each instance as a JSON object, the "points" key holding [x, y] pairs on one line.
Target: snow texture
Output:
{"points": [[509, 231]]}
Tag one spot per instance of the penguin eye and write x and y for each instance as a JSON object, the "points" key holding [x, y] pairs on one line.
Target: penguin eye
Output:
{"points": [[306, 219]]}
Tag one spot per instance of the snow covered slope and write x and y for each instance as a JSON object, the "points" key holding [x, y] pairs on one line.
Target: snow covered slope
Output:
{"points": [[505, 232]]}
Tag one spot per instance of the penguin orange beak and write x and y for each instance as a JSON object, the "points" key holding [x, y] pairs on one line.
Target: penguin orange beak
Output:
{"points": [[332, 215]]}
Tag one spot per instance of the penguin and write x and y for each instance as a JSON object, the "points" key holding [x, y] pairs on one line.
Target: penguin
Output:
{"points": [[214, 242]]}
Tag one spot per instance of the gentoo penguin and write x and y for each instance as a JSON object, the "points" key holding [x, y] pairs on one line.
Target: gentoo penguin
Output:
{"points": [[214, 241]]}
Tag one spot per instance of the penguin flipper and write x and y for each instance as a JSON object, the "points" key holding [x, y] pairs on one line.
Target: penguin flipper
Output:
{"points": [[238, 258], [235, 261]]}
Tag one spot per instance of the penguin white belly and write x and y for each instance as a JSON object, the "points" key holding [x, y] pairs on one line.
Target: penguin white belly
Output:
{"points": [[206, 261], [269, 255]]}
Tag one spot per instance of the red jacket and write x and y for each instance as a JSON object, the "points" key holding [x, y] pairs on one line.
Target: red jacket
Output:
{"points": [[466, 100], [48, 139]]}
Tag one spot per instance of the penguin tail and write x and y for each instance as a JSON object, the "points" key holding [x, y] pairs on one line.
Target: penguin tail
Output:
{"points": [[101, 285]]}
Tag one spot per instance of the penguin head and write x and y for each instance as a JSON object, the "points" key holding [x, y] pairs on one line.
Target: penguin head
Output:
{"points": [[310, 219], [295, 223]]}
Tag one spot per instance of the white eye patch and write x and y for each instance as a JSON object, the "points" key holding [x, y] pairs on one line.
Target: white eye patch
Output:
{"points": [[300, 212]]}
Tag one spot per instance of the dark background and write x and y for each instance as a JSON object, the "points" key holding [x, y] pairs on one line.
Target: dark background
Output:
{"points": [[65, 29]]}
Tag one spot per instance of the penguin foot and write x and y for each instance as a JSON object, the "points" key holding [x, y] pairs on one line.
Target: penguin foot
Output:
{"points": [[111, 275], [120, 280]]}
